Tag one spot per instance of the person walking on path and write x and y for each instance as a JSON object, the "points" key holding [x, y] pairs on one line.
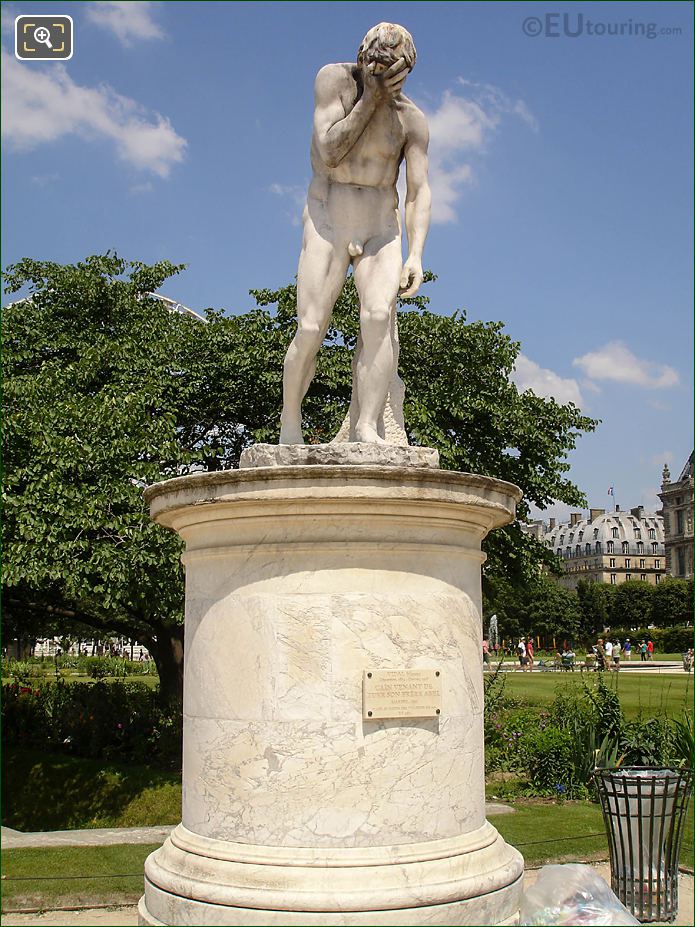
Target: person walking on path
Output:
{"points": [[608, 653], [600, 655], [688, 661], [650, 649], [616, 656], [643, 651], [529, 654], [521, 652], [627, 649], [486, 652]]}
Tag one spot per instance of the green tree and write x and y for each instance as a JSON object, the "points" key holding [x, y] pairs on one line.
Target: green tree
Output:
{"points": [[107, 391], [553, 611], [632, 604], [594, 602], [672, 602]]}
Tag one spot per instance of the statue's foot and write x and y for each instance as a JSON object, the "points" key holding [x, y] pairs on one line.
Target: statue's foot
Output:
{"points": [[368, 435], [291, 432]]}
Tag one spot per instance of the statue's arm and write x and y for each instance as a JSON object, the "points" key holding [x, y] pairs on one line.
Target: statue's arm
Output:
{"points": [[336, 132], [418, 201]]}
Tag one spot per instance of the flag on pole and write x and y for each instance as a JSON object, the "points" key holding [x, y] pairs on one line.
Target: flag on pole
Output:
{"points": [[610, 491]]}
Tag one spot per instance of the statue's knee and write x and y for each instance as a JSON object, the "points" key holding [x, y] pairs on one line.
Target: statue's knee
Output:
{"points": [[376, 317], [309, 335]]}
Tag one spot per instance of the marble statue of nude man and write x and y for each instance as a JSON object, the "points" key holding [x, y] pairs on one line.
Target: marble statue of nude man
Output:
{"points": [[363, 128]]}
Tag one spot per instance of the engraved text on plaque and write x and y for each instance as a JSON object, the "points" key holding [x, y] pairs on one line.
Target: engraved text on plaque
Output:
{"points": [[410, 693]]}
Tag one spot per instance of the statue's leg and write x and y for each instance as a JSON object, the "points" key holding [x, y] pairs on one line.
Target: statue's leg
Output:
{"points": [[377, 275], [321, 274]]}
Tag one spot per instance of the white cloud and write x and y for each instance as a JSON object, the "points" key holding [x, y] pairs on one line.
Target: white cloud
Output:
{"points": [[40, 106], [527, 374], [460, 127], [297, 197], [129, 20], [615, 361]]}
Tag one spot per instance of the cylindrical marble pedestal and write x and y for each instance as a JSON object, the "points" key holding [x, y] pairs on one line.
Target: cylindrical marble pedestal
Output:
{"points": [[295, 809]]}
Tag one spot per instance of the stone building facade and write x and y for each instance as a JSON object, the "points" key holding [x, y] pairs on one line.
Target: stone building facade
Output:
{"points": [[607, 547], [677, 499]]}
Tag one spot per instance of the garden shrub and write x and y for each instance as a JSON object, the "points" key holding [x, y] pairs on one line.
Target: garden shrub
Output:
{"points": [[111, 721], [548, 755]]}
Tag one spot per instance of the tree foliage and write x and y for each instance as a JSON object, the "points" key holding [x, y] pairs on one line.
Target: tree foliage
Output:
{"points": [[632, 604], [672, 602], [107, 391]]}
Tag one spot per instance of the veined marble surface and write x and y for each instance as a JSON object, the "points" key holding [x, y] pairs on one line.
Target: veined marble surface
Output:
{"points": [[297, 580]]}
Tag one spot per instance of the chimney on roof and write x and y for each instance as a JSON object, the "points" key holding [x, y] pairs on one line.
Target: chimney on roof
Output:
{"points": [[552, 524], [575, 517], [617, 508], [638, 512], [594, 513]]}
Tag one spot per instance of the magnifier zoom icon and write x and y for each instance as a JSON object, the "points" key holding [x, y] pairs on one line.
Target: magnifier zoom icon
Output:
{"points": [[42, 35]]}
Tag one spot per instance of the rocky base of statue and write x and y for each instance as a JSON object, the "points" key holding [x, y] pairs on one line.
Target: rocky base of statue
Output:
{"points": [[353, 453], [298, 807]]}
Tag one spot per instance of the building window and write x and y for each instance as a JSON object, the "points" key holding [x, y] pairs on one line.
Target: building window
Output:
{"points": [[611, 563], [680, 524], [640, 547], [578, 550], [609, 546], [681, 562], [598, 547], [571, 538], [626, 547], [587, 549], [642, 564], [613, 579], [657, 564], [652, 534], [614, 532], [627, 563], [638, 534], [628, 576], [657, 578], [655, 548], [595, 533], [562, 539], [568, 552], [643, 577], [580, 536]]}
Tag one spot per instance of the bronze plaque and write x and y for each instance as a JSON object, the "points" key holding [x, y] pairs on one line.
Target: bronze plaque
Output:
{"points": [[408, 693]]}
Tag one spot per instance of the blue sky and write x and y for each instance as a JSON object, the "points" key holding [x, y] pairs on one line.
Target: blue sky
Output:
{"points": [[561, 169]]}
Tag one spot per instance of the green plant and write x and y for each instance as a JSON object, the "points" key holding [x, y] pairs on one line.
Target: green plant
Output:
{"points": [[682, 743], [548, 755], [646, 742], [111, 721]]}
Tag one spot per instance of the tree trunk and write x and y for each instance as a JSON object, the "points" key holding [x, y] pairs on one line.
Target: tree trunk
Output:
{"points": [[166, 647]]}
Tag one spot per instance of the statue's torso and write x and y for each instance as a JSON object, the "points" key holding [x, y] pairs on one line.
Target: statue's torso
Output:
{"points": [[374, 159]]}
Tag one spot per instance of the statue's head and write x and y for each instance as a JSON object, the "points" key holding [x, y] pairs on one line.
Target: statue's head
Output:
{"points": [[384, 44]]}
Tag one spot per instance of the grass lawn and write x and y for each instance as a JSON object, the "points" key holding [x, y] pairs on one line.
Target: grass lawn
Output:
{"points": [[54, 792], [545, 831], [53, 877], [639, 695]]}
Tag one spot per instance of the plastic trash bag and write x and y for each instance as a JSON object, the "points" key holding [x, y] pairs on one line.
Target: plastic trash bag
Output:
{"points": [[572, 894]]}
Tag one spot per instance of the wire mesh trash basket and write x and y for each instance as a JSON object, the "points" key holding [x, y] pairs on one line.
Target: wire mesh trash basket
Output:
{"points": [[644, 811]]}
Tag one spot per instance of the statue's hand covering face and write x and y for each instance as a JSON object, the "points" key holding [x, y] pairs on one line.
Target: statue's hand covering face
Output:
{"points": [[383, 45]]}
